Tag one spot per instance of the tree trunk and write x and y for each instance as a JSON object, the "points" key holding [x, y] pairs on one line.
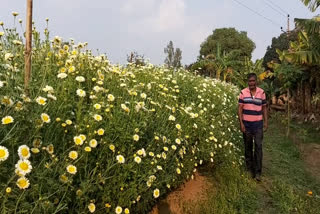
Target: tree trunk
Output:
{"points": [[28, 54], [289, 112], [307, 95], [303, 97]]}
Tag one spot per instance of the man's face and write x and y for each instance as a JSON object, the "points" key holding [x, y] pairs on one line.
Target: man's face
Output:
{"points": [[252, 83]]}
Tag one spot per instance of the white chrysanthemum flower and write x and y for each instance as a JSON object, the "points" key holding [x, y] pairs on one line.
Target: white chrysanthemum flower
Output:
{"points": [[23, 183], [137, 159], [4, 153], [45, 118], [41, 100], [52, 96], [172, 118], [120, 159], [7, 120], [81, 93], [143, 96], [110, 97], [80, 79], [48, 89], [62, 75], [24, 167], [1, 84], [24, 152], [71, 169]]}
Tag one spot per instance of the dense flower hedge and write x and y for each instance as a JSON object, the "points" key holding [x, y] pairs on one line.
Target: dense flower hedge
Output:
{"points": [[97, 137]]}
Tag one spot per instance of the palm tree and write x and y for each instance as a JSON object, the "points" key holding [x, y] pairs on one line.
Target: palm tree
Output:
{"points": [[312, 4]]}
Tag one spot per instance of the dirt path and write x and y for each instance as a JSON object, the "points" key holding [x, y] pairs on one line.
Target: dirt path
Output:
{"points": [[178, 200]]}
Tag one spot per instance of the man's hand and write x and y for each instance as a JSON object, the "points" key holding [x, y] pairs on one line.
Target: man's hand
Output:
{"points": [[265, 127], [242, 127]]}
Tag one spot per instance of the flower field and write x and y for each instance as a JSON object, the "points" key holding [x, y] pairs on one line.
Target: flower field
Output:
{"points": [[95, 137]]}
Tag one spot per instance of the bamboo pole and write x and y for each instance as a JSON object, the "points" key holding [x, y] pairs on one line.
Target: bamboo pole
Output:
{"points": [[28, 48]]}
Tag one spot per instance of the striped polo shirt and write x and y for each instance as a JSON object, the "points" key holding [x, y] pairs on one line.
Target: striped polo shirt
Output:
{"points": [[252, 108]]}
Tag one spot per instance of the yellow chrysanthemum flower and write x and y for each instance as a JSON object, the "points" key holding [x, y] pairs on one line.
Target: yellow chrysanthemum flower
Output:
{"points": [[93, 143], [118, 210], [69, 122], [23, 183], [78, 140], [45, 118], [97, 117], [112, 147], [73, 155], [24, 152], [178, 171], [6, 120], [4, 153], [83, 137], [126, 211], [71, 169], [8, 189], [24, 167], [92, 207], [156, 193], [137, 159], [100, 131], [87, 149], [35, 150], [120, 159], [136, 137]]}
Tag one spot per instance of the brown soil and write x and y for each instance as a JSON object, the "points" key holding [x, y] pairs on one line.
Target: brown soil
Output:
{"points": [[183, 199]]}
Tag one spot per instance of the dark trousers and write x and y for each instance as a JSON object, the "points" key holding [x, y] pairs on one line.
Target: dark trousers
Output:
{"points": [[253, 156]]}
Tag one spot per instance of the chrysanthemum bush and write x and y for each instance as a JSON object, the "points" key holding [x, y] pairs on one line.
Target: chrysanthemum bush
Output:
{"points": [[95, 137]]}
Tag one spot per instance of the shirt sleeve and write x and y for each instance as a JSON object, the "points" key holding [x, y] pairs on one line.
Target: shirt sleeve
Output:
{"points": [[241, 102], [264, 100]]}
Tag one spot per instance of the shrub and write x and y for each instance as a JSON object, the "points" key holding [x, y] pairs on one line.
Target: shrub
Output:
{"points": [[103, 137]]}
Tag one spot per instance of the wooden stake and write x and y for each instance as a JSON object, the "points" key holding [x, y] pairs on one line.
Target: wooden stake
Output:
{"points": [[28, 49]]}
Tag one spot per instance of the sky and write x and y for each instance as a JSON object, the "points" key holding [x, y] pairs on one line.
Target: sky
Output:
{"points": [[119, 27]]}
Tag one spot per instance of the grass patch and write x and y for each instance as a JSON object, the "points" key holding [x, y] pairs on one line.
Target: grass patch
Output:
{"points": [[290, 180], [233, 191]]}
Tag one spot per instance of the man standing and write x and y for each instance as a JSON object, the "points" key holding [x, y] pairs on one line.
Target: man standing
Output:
{"points": [[252, 112]]}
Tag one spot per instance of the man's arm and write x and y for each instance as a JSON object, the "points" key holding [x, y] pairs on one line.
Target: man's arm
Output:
{"points": [[240, 109], [265, 117]]}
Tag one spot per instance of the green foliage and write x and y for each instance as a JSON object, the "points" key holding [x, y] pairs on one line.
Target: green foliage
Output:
{"points": [[232, 191], [312, 4], [161, 123], [230, 40], [281, 43], [288, 74]]}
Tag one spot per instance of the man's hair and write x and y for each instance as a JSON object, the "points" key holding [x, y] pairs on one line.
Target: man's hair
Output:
{"points": [[252, 75]]}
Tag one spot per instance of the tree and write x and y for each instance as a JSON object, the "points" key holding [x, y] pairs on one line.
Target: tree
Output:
{"points": [[230, 40], [173, 59], [177, 58], [136, 59], [312, 4], [281, 42]]}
